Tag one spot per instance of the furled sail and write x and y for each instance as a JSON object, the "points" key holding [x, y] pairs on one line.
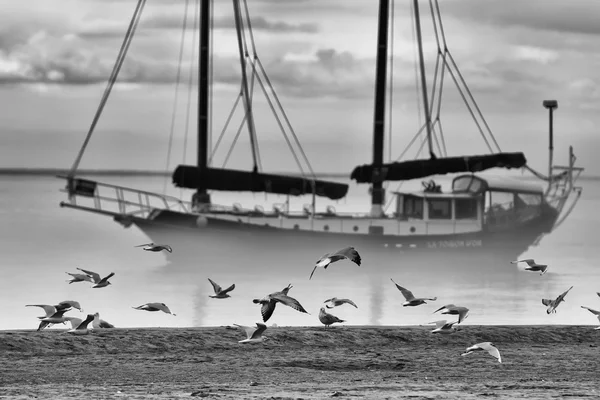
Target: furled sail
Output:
{"points": [[414, 169], [190, 177]]}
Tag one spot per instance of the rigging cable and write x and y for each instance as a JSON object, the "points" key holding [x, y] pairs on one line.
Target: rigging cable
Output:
{"points": [[111, 81], [391, 89], [177, 84]]}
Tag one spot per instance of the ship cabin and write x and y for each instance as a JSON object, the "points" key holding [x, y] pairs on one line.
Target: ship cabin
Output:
{"points": [[474, 203]]}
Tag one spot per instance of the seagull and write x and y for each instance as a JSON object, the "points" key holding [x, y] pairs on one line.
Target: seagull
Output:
{"points": [[411, 300], [100, 323], [533, 266], [68, 304], [253, 335], [56, 318], [487, 346], [270, 301], [156, 247], [451, 309], [444, 327], [154, 307], [219, 292], [82, 328], [99, 282], [595, 312], [349, 252], [552, 304], [338, 302], [328, 319], [79, 277]]}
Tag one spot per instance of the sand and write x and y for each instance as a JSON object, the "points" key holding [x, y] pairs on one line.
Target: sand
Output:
{"points": [[539, 362]]}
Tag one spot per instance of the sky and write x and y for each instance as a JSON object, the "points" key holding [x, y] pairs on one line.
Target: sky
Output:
{"points": [[319, 56]]}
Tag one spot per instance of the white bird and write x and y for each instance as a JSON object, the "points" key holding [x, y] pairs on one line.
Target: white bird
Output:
{"points": [[99, 282], [338, 302], [156, 247], [532, 265], [154, 307], [347, 253], [56, 318], [444, 327], [100, 323], [411, 300], [487, 346], [552, 304], [219, 292], [328, 319], [270, 301], [451, 309], [253, 335], [75, 277], [595, 312], [82, 328]]}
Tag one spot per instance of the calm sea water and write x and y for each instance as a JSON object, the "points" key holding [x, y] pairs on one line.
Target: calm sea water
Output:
{"points": [[41, 241]]}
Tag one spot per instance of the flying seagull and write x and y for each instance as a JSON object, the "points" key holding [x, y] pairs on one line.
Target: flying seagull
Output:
{"points": [[595, 312], [154, 307], [444, 327], [552, 304], [349, 253], [75, 277], [156, 247], [99, 282], [487, 346], [100, 323], [270, 301], [82, 328], [253, 335], [328, 319], [219, 292], [532, 265], [411, 300], [338, 302], [451, 309]]}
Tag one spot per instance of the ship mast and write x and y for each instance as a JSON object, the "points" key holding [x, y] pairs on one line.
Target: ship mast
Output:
{"points": [[377, 191], [201, 197]]}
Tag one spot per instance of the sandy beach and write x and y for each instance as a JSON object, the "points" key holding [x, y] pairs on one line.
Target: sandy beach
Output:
{"points": [[539, 362]]}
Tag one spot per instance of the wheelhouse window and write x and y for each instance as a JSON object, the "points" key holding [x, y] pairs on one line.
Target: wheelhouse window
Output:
{"points": [[439, 208], [465, 208], [469, 184], [413, 207]]}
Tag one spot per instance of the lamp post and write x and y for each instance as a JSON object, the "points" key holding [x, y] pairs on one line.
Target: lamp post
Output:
{"points": [[551, 105]]}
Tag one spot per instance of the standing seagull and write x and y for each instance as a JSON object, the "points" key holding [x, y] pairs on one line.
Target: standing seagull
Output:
{"points": [[328, 319], [156, 247], [349, 252], [338, 302], [99, 282], [78, 277], [82, 328], [552, 304], [154, 307], [270, 301], [100, 323], [253, 335], [444, 327], [487, 346], [532, 265], [595, 312], [219, 292], [451, 309], [411, 300]]}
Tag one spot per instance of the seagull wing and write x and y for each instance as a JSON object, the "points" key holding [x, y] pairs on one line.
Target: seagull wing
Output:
{"points": [[487, 346], [351, 254], [441, 308], [95, 277], [229, 289], [107, 277], [347, 301], [267, 309], [146, 244], [546, 302], [216, 287], [405, 292], [462, 313], [47, 308], [438, 324], [313, 271], [69, 303], [260, 328], [74, 321], [288, 301], [84, 323], [595, 312], [248, 330]]}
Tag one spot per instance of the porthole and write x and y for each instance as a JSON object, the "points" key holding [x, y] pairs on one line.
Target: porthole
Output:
{"points": [[296, 226], [412, 229], [355, 229], [326, 227]]}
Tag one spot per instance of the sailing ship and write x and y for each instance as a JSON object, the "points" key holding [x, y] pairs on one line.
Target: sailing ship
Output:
{"points": [[479, 213]]}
